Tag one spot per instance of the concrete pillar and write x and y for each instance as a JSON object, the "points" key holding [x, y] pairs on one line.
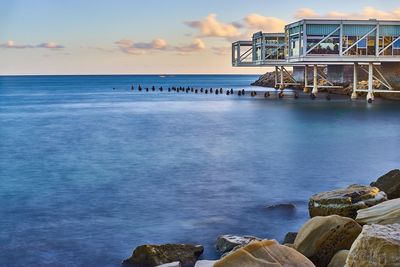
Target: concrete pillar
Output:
{"points": [[370, 95], [315, 83], [355, 81], [305, 90], [276, 76], [282, 86]]}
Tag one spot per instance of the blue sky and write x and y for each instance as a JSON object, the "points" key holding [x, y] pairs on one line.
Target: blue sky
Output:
{"points": [[152, 36]]}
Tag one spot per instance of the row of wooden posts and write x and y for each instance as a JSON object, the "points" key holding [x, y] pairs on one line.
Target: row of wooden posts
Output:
{"points": [[211, 91]]}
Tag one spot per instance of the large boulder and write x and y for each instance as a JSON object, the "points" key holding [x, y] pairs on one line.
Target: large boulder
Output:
{"points": [[266, 253], [226, 243], [387, 212], [376, 246], [345, 202], [339, 260], [321, 237], [390, 183], [153, 255]]}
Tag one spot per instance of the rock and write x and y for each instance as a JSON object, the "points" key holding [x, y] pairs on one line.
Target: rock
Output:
{"points": [[387, 212], [226, 243], [339, 260], [290, 237], [376, 246], [345, 202], [171, 264], [389, 183], [282, 206], [153, 255], [321, 237], [205, 263], [266, 253]]}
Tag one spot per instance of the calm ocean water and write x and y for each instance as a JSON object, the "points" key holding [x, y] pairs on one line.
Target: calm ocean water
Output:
{"points": [[87, 173]]}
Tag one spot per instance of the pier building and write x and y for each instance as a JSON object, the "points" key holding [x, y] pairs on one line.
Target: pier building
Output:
{"points": [[334, 51]]}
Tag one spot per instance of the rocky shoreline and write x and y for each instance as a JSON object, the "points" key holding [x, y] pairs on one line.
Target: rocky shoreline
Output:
{"points": [[357, 226], [268, 80]]}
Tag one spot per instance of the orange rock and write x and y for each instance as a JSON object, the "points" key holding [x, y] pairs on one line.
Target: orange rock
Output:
{"points": [[266, 253]]}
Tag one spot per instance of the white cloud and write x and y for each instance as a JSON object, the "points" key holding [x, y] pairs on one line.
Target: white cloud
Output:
{"points": [[211, 27], [158, 44], [141, 48], [264, 23], [49, 45], [365, 13]]}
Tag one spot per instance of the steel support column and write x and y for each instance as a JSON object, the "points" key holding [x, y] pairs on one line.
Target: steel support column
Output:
{"points": [[282, 85], [355, 81], [370, 94], [315, 83], [305, 90]]}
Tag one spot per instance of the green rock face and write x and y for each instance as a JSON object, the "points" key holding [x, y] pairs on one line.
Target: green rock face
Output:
{"points": [[345, 202], [153, 255]]}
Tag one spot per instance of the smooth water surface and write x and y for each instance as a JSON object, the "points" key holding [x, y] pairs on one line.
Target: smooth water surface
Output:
{"points": [[88, 172]]}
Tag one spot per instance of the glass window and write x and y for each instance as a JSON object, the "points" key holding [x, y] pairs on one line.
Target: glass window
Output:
{"points": [[329, 46], [396, 44], [362, 43]]}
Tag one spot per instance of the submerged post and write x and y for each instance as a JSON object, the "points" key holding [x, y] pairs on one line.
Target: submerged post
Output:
{"points": [[355, 81], [370, 95], [315, 83]]}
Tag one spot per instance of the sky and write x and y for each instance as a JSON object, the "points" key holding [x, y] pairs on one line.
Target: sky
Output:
{"points": [[151, 36]]}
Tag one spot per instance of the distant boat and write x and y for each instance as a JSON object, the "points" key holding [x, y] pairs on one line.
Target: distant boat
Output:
{"points": [[162, 76]]}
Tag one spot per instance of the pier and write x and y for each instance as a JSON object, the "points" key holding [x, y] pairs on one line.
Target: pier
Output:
{"points": [[336, 52]]}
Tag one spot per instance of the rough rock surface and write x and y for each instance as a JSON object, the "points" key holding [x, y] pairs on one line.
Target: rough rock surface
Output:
{"points": [[387, 212], [345, 202], [389, 183], [266, 253], [339, 260], [226, 243], [153, 255], [289, 238], [205, 263], [321, 237], [171, 264], [376, 246]]}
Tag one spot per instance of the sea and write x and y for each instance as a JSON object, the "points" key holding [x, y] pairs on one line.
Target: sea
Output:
{"points": [[90, 169]]}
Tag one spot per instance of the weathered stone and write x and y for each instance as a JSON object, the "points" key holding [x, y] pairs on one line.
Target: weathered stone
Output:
{"points": [[226, 243], [321, 237], [266, 253], [376, 246], [339, 260], [171, 264], [290, 237], [205, 263], [387, 212], [153, 255], [389, 183], [345, 202]]}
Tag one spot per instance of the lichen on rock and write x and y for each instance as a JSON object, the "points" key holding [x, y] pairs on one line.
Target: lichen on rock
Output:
{"points": [[346, 201]]}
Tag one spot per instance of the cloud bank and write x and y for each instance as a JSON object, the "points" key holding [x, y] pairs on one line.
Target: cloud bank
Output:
{"points": [[48, 45]]}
